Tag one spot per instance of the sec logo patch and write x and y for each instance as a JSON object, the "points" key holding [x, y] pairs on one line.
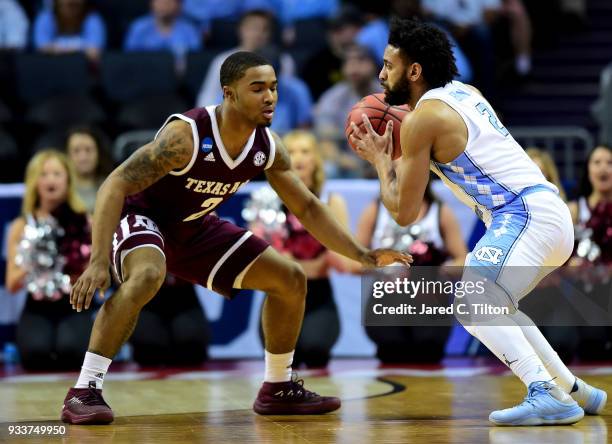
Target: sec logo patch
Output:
{"points": [[260, 158]]}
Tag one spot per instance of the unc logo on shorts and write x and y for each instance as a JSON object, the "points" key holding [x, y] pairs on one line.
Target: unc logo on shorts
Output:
{"points": [[260, 158], [489, 254], [207, 145]]}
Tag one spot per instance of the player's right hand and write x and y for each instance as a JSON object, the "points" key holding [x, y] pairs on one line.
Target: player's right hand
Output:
{"points": [[369, 145], [96, 276]]}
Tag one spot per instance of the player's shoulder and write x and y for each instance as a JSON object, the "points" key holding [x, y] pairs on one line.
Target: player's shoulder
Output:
{"points": [[178, 137], [275, 138], [198, 116], [430, 113], [472, 88], [178, 127]]}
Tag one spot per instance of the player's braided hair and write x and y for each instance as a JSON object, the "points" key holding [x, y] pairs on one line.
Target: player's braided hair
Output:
{"points": [[234, 67], [427, 45]]}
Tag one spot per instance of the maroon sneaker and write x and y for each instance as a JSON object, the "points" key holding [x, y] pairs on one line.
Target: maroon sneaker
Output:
{"points": [[86, 406], [291, 398]]}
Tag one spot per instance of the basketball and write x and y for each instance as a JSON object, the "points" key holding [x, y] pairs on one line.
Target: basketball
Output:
{"points": [[379, 112]]}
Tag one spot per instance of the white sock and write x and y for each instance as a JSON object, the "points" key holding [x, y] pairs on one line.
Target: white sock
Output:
{"points": [[551, 360], [278, 367], [93, 370], [511, 347], [530, 369]]}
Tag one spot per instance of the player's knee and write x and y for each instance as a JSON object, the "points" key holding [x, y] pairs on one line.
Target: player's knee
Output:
{"points": [[292, 281], [297, 281], [146, 281], [152, 276]]}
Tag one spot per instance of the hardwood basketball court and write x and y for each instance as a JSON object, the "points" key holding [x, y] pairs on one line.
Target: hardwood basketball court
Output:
{"points": [[388, 405]]}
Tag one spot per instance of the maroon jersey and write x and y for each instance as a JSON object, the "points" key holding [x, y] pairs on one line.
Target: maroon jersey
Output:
{"points": [[181, 199]]}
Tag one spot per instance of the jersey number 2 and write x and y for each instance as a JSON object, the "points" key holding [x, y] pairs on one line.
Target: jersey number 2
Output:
{"points": [[484, 109], [208, 205]]}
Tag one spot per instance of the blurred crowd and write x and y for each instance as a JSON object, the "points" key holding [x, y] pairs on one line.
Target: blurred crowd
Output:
{"points": [[327, 55], [125, 65]]}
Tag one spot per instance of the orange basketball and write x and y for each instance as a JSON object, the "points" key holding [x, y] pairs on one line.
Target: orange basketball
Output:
{"points": [[379, 112]]}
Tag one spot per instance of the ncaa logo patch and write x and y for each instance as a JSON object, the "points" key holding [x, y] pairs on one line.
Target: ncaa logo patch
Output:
{"points": [[259, 159], [207, 145]]}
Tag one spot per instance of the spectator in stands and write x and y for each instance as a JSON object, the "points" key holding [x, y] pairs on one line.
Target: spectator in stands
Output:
{"points": [[359, 70], [49, 333], [71, 26], [547, 165], [324, 69], [86, 149], [254, 32], [601, 109], [13, 25], [321, 326], [163, 29], [375, 33], [592, 215], [472, 21], [295, 10], [595, 185], [439, 242], [303, 20], [294, 106], [203, 12], [414, 8], [172, 328]]}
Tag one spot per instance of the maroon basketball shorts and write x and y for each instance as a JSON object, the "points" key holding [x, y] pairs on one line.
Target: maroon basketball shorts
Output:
{"points": [[215, 256]]}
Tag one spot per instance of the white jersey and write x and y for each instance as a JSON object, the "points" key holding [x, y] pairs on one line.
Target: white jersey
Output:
{"points": [[494, 168]]}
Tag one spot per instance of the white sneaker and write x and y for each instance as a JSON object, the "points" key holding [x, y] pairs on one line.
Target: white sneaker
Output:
{"points": [[591, 399]]}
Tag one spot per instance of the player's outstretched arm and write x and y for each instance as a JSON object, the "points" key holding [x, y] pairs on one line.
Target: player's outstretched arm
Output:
{"points": [[318, 219], [171, 150]]}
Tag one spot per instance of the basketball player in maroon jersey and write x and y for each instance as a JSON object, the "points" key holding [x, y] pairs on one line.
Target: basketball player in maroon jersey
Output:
{"points": [[154, 210]]}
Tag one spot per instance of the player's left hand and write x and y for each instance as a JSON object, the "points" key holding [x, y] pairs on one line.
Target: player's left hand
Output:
{"points": [[382, 257], [369, 145]]}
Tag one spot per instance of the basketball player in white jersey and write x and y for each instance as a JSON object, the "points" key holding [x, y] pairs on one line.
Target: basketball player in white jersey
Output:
{"points": [[454, 132]]}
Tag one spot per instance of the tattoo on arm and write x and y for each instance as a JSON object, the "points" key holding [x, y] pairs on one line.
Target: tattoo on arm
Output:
{"points": [[171, 150], [388, 190], [391, 177]]}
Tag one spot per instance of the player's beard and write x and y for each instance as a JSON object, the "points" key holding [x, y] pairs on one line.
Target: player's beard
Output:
{"points": [[400, 94]]}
